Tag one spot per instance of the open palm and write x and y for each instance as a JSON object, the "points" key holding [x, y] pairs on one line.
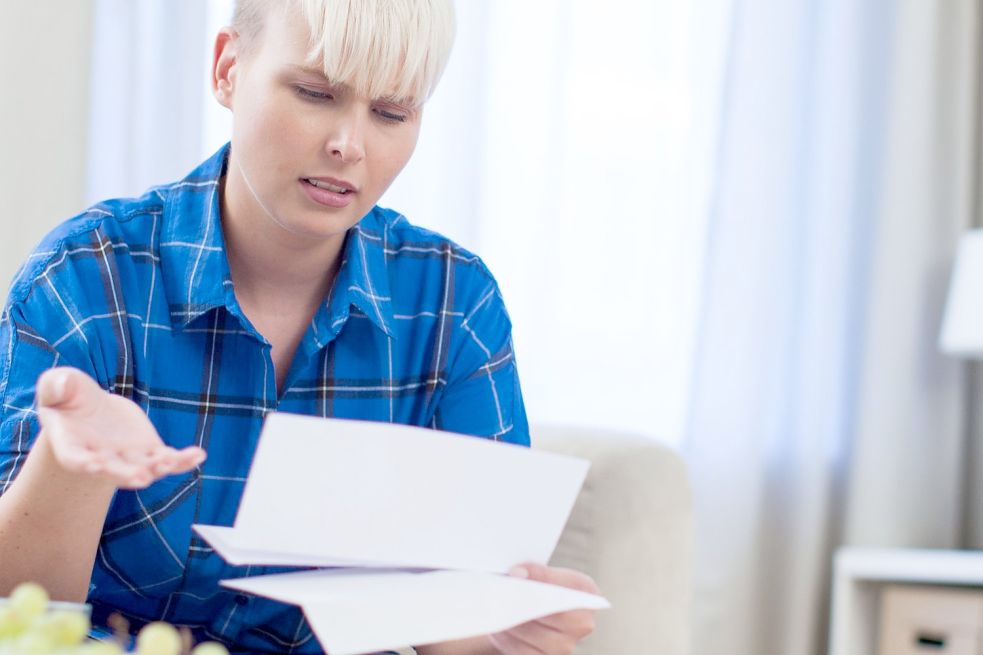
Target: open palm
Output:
{"points": [[99, 433]]}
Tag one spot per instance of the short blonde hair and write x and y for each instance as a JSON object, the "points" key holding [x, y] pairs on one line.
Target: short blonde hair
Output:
{"points": [[382, 48]]}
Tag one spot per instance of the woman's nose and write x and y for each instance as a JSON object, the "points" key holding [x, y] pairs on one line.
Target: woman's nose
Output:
{"points": [[346, 141]]}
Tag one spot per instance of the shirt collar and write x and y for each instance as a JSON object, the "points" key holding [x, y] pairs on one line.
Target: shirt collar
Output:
{"points": [[362, 282], [196, 268], [192, 249]]}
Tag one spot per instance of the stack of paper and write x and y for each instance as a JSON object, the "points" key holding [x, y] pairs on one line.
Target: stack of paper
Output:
{"points": [[426, 523]]}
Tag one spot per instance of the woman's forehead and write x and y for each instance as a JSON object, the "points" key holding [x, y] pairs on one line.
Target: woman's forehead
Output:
{"points": [[379, 49]]}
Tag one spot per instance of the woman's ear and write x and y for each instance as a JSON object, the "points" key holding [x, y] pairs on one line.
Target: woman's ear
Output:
{"points": [[224, 64]]}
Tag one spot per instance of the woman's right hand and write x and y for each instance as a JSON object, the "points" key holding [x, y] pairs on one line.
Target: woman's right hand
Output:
{"points": [[93, 431]]}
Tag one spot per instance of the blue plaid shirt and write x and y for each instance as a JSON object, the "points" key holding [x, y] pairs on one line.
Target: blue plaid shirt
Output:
{"points": [[137, 293]]}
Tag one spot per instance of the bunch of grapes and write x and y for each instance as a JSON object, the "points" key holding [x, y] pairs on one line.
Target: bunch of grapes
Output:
{"points": [[31, 625]]}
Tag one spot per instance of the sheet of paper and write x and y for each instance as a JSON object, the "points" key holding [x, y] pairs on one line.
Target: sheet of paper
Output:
{"points": [[394, 495], [357, 612], [229, 544]]}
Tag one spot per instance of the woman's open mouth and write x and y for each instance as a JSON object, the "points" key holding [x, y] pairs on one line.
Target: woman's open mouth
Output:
{"points": [[335, 194]]}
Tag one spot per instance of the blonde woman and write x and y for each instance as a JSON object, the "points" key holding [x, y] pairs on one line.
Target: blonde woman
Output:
{"points": [[144, 333]]}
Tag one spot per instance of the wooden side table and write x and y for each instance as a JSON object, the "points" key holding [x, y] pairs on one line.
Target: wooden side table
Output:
{"points": [[861, 574]]}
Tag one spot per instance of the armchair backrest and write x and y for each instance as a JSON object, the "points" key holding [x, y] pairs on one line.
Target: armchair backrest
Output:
{"points": [[632, 531]]}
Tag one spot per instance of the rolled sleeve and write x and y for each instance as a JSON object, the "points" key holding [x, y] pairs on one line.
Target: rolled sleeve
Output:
{"points": [[26, 354], [483, 396]]}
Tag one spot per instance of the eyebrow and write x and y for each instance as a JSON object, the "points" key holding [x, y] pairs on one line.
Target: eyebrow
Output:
{"points": [[318, 73], [307, 70]]}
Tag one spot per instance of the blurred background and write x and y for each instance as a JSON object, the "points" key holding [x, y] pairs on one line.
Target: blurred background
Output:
{"points": [[727, 225]]}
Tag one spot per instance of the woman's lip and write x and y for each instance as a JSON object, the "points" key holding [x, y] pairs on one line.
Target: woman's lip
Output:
{"points": [[325, 197], [336, 182]]}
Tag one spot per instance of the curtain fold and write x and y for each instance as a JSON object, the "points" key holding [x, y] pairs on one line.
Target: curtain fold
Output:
{"points": [[822, 412], [566, 146], [906, 470], [150, 62]]}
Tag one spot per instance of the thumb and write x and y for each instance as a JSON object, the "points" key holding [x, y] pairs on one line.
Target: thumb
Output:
{"points": [[62, 387], [553, 575], [529, 570]]}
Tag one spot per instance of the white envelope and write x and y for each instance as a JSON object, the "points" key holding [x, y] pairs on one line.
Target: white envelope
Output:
{"points": [[329, 492]]}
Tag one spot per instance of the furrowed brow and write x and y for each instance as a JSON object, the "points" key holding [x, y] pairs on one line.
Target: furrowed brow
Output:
{"points": [[307, 70]]}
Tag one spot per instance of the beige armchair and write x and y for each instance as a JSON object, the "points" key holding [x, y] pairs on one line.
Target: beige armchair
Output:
{"points": [[631, 530]]}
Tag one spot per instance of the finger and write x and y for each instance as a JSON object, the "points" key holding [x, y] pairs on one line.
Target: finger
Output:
{"points": [[509, 644], [137, 457], [52, 387], [188, 458], [129, 482], [173, 461], [65, 388], [95, 466], [159, 458], [558, 576], [75, 458], [124, 473], [578, 623], [138, 481], [543, 638], [97, 463], [164, 465]]}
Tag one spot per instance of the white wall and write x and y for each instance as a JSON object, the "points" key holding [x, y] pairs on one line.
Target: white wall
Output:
{"points": [[44, 101]]}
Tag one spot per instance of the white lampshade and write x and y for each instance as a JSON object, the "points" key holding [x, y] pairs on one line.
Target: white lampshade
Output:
{"points": [[962, 326]]}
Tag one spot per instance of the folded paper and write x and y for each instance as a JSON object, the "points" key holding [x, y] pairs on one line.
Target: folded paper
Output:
{"points": [[425, 523]]}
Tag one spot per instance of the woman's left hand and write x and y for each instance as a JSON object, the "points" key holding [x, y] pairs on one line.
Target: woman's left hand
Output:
{"points": [[557, 634]]}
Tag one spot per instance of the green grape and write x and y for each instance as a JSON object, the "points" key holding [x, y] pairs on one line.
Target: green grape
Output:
{"points": [[210, 648], [66, 628], [30, 600], [34, 642], [12, 622], [158, 638], [100, 648]]}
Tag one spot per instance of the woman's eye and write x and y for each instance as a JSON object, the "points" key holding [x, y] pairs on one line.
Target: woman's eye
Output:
{"points": [[311, 94], [391, 116]]}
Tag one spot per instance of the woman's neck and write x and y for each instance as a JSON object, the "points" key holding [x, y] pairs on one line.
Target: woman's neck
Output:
{"points": [[272, 269]]}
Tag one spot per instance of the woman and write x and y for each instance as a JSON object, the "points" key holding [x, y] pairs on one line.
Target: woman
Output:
{"points": [[144, 333]]}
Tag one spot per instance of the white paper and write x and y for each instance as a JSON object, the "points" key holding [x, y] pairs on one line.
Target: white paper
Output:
{"points": [[395, 495], [236, 551], [437, 517], [356, 612]]}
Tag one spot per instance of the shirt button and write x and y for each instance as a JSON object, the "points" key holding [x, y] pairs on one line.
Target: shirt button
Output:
{"points": [[242, 600]]}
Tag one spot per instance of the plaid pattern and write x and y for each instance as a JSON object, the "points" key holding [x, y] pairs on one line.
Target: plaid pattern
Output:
{"points": [[137, 294]]}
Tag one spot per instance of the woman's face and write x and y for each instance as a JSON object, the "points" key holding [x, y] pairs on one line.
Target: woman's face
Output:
{"points": [[310, 156]]}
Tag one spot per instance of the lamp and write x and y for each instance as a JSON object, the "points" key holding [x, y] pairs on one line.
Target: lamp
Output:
{"points": [[962, 325], [962, 335]]}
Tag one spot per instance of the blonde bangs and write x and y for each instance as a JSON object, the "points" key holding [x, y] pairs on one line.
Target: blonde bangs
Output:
{"points": [[391, 49]]}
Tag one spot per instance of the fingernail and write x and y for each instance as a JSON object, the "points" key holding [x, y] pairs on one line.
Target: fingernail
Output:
{"points": [[519, 572]]}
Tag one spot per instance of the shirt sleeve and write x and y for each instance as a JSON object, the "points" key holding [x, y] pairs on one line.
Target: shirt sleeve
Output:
{"points": [[483, 396], [27, 351]]}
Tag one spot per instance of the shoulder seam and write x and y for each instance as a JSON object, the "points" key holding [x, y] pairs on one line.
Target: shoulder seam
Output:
{"points": [[8, 363], [26, 279]]}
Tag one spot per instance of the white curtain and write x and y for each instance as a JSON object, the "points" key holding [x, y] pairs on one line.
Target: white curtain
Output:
{"points": [[567, 146], [822, 412], [150, 62], [723, 223]]}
